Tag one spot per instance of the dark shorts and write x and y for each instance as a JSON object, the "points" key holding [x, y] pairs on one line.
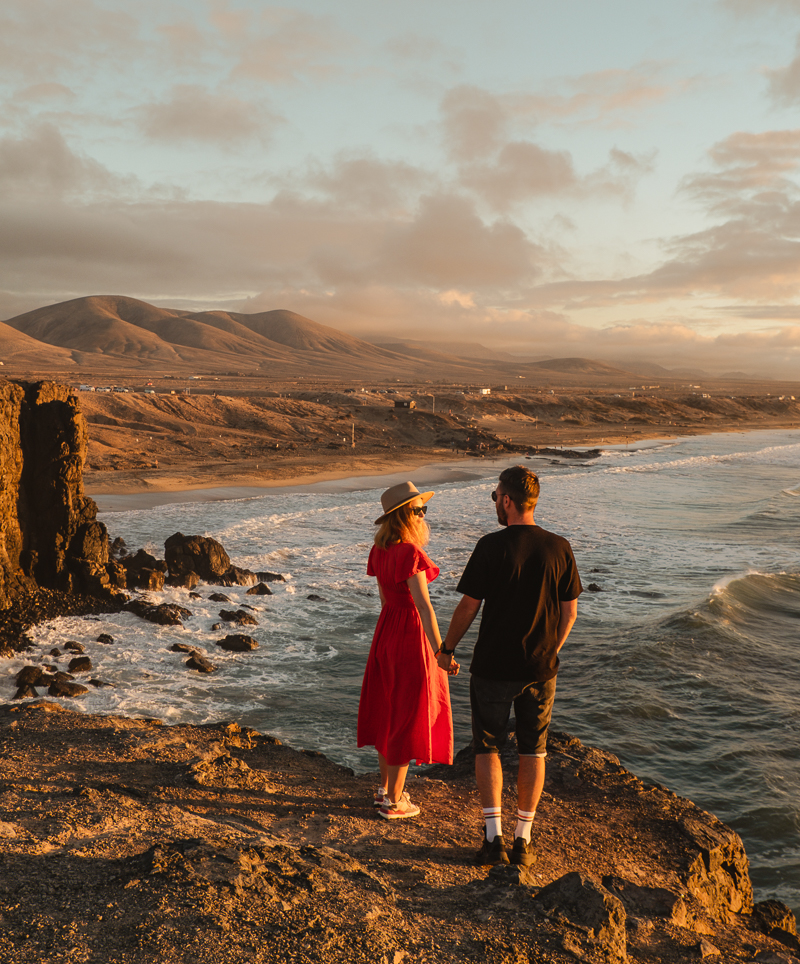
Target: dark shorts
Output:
{"points": [[491, 702]]}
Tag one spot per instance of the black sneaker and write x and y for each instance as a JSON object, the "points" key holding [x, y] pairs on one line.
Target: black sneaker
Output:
{"points": [[522, 852], [491, 853]]}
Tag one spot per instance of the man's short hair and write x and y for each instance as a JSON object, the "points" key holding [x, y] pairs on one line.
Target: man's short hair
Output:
{"points": [[522, 486]]}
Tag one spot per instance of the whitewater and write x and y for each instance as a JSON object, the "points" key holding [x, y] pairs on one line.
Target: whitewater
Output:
{"points": [[684, 661]]}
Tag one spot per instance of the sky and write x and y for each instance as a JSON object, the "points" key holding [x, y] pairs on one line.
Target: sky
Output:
{"points": [[613, 179]]}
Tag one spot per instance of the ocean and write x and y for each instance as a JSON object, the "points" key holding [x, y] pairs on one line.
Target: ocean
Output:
{"points": [[684, 661]]}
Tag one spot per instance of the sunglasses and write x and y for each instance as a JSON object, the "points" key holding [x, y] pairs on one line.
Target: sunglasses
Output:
{"points": [[419, 509], [497, 495]]}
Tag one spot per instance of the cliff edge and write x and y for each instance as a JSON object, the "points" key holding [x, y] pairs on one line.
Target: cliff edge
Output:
{"points": [[125, 841]]}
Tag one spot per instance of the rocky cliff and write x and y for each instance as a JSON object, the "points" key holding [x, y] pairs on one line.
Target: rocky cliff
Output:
{"points": [[49, 535], [125, 841]]}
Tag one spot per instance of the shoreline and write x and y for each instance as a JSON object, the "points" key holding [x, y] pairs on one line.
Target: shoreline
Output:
{"points": [[122, 496]]}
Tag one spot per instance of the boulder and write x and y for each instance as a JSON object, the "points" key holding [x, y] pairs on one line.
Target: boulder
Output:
{"points": [[238, 643], [239, 616], [105, 638], [65, 688], [597, 915], [165, 614], [181, 648], [24, 693], [81, 664], [270, 577], [777, 921], [260, 590], [148, 579], [187, 580], [235, 576], [198, 662], [28, 676], [219, 597], [74, 647], [141, 560], [199, 554]]}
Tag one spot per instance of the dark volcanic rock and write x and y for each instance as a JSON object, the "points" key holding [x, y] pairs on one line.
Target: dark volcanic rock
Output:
{"points": [[260, 590], [28, 676], [65, 688], [74, 647], [181, 648], [237, 577], [186, 580], [105, 638], [200, 663], [165, 614], [219, 597], [597, 915], [778, 921], [24, 693], [199, 554], [313, 597], [238, 643], [239, 616], [270, 577], [81, 664]]}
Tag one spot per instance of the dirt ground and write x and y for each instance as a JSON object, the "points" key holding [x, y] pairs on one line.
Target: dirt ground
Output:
{"points": [[124, 841]]}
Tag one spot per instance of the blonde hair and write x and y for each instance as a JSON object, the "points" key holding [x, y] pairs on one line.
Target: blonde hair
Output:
{"points": [[402, 525]]}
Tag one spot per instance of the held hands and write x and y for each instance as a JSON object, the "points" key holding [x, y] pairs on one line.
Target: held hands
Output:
{"points": [[447, 663]]}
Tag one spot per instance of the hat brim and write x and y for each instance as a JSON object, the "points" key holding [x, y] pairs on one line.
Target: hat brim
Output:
{"points": [[425, 496]]}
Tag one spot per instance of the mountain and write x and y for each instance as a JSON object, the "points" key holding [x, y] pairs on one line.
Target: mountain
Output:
{"points": [[20, 349], [126, 329], [578, 366]]}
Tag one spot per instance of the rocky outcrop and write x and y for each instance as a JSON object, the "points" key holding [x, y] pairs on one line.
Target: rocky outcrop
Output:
{"points": [[49, 535], [217, 843], [190, 557]]}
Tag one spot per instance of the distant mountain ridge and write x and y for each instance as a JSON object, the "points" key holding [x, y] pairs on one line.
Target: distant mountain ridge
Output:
{"points": [[122, 334]]}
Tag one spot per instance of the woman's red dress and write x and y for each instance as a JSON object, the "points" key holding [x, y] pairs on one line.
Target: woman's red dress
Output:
{"points": [[404, 710]]}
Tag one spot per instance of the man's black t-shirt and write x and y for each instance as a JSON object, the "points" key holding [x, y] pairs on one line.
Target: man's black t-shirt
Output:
{"points": [[523, 573]]}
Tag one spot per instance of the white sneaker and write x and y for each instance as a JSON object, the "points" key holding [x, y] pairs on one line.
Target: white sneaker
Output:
{"points": [[400, 810]]}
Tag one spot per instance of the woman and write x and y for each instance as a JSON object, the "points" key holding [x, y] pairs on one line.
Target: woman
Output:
{"points": [[405, 700]]}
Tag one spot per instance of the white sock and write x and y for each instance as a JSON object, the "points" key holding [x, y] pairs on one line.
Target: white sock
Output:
{"points": [[494, 826], [524, 824]]}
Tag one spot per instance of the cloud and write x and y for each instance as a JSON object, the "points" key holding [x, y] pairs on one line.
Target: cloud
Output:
{"points": [[281, 45], [448, 245], [504, 172], [45, 92], [605, 97], [43, 38], [369, 183], [474, 123], [784, 82], [193, 113], [43, 163], [522, 170]]}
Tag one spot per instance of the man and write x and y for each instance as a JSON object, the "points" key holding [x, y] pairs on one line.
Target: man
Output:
{"points": [[528, 580]]}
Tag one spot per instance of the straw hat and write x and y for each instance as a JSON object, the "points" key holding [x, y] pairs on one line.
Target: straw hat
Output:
{"points": [[398, 496]]}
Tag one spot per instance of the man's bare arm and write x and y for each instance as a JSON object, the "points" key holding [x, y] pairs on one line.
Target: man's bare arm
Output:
{"points": [[463, 616], [569, 613]]}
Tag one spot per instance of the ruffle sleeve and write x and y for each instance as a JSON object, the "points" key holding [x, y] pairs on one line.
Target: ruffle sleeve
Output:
{"points": [[409, 560]]}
